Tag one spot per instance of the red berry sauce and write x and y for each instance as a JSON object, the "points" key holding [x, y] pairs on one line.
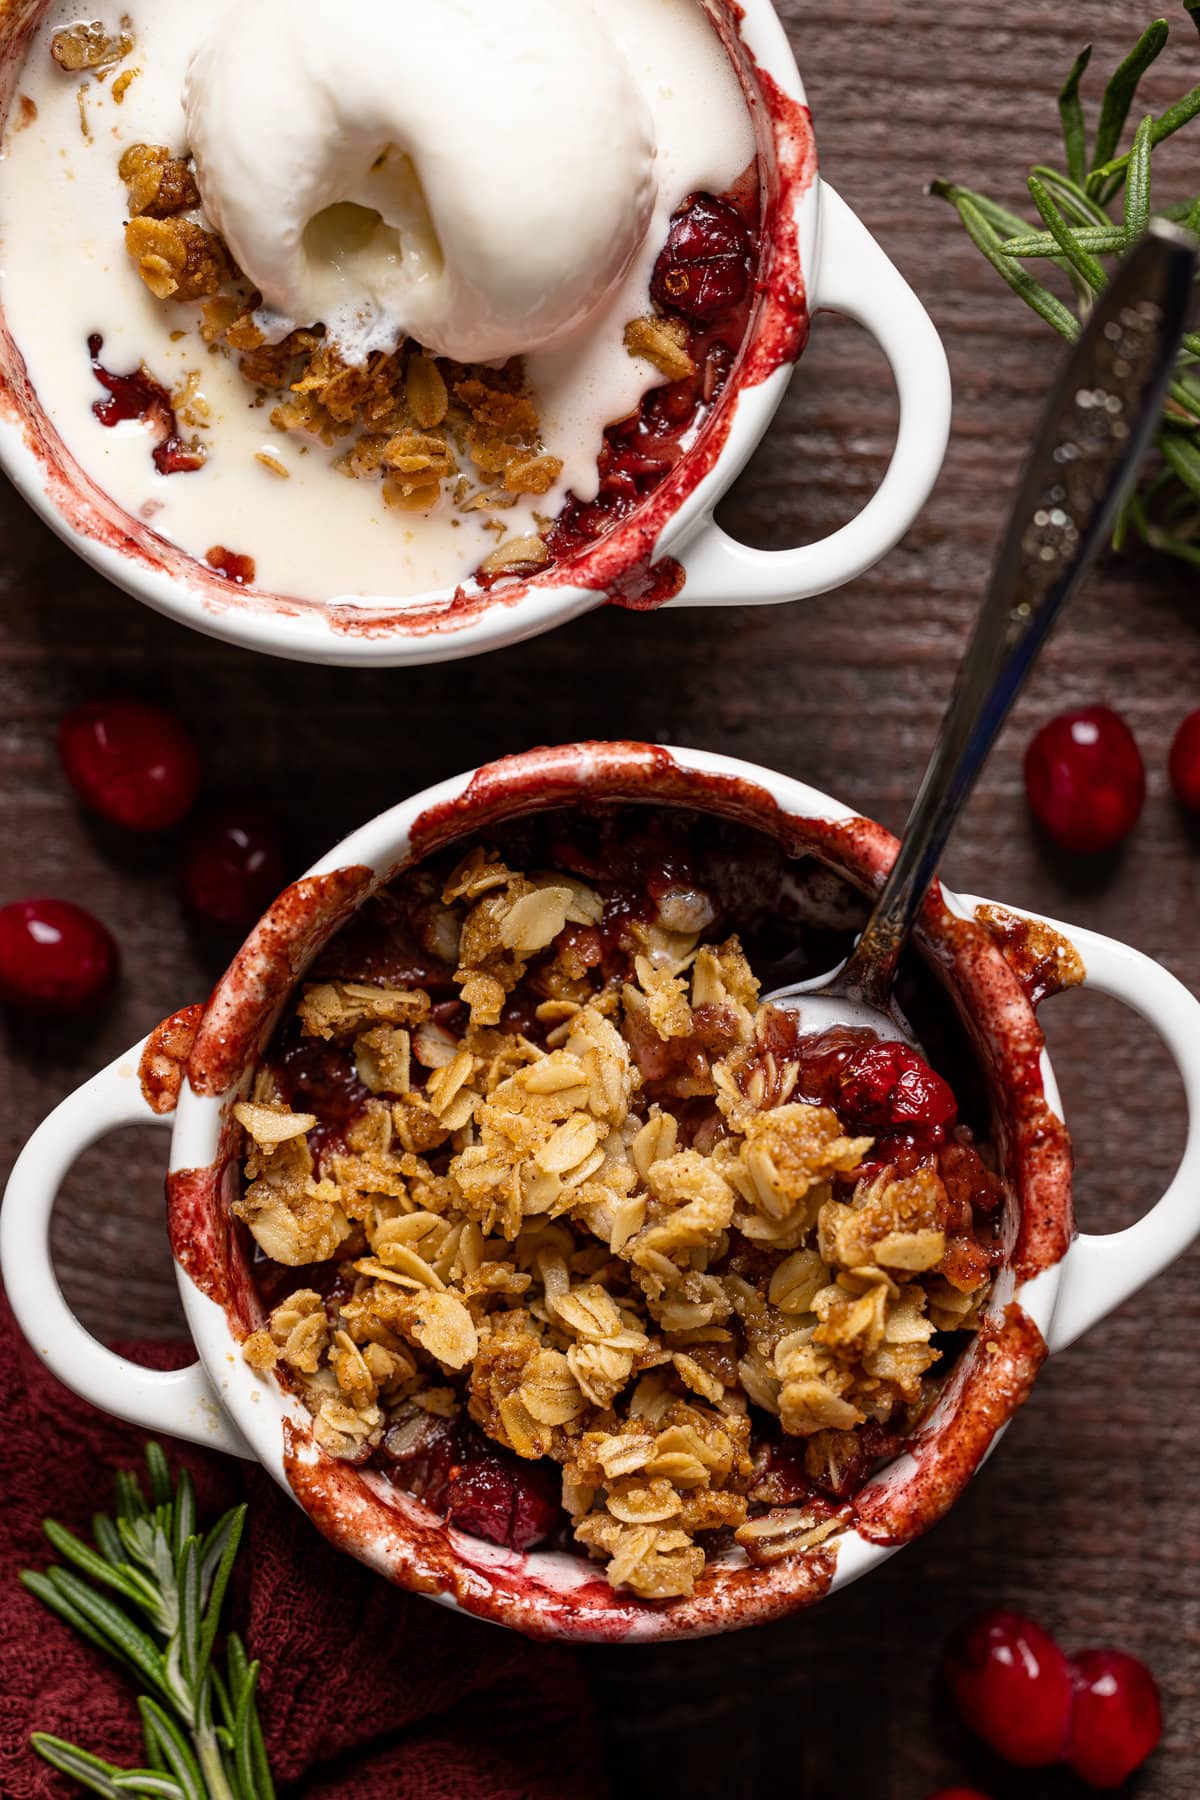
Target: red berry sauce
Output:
{"points": [[132, 763], [54, 957], [472, 1483], [233, 868], [138, 396], [1085, 780], [704, 277]]}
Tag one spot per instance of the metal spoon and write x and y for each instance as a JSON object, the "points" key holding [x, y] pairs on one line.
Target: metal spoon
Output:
{"points": [[1096, 428]]}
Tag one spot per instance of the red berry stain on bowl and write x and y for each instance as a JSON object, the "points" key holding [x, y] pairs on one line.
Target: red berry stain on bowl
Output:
{"points": [[1184, 765], [132, 763], [1099, 1711], [1085, 779], [233, 867], [54, 957], [138, 396], [232, 565]]}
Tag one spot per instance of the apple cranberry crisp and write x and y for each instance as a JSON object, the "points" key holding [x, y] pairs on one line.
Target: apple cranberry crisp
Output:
{"points": [[561, 1229]]}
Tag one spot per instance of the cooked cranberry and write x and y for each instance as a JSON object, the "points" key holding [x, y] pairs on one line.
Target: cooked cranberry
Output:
{"points": [[138, 396], [704, 268], [1085, 779], [54, 957], [508, 1502], [233, 867], [1012, 1684], [133, 763], [1185, 763], [1118, 1717], [888, 1084]]}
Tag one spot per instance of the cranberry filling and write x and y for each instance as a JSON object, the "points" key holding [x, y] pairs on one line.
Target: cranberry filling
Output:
{"points": [[475, 1485], [138, 396]]}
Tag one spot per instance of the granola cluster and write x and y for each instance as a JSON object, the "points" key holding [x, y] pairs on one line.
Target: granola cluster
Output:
{"points": [[581, 1205]]}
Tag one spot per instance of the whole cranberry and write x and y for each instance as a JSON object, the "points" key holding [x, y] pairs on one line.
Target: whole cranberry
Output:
{"points": [[1118, 1717], [1085, 779], [1184, 765], [54, 957], [133, 763], [505, 1501], [1012, 1685], [704, 268], [889, 1084], [233, 867]]}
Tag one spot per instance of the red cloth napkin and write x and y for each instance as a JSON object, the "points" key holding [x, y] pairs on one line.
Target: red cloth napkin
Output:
{"points": [[366, 1693]]}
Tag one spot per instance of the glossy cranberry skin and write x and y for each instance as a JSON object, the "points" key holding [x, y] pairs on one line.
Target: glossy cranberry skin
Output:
{"points": [[54, 957], [1118, 1717], [233, 867], [133, 763], [1085, 779], [704, 268], [505, 1501], [1012, 1685], [1184, 765], [888, 1085]]}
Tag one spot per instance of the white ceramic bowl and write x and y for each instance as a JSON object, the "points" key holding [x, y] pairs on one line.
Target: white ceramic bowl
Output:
{"points": [[816, 255], [1053, 1286]]}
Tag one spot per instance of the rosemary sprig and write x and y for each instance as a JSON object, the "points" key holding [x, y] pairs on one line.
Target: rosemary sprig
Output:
{"points": [[1077, 229], [151, 1600]]}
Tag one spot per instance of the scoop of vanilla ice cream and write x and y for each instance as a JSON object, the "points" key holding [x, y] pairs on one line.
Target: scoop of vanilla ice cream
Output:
{"points": [[476, 174]]}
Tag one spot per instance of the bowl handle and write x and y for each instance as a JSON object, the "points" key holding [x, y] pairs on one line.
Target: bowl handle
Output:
{"points": [[856, 278], [1099, 1272], [180, 1402]]}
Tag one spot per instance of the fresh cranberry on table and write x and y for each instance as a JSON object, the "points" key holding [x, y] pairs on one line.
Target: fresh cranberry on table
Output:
{"points": [[1013, 1686], [517, 1504], [1085, 779], [1118, 1717], [133, 763], [705, 266], [233, 867], [1184, 765], [54, 957], [887, 1085]]}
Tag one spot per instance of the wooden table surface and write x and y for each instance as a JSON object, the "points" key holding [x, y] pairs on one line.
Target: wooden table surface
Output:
{"points": [[1090, 1513]]}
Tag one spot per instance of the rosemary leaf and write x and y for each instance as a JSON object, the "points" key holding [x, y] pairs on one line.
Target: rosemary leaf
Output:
{"points": [[998, 217], [148, 1781], [1184, 458], [184, 1513], [1106, 180], [1100, 242], [1118, 95], [85, 1768], [87, 1559], [44, 1590], [1043, 302], [1071, 112], [170, 1742], [1082, 261], [116, 1626], [1074, 201], [220, 1554], [161, 1492], [1137, 181]]}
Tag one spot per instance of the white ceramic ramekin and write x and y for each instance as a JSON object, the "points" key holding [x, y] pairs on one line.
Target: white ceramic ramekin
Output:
{"points": [[1053, 1286], [816, 256]]}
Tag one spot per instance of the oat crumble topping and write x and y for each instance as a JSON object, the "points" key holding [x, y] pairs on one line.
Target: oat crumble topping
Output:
{"points": [[576, 1203]]}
